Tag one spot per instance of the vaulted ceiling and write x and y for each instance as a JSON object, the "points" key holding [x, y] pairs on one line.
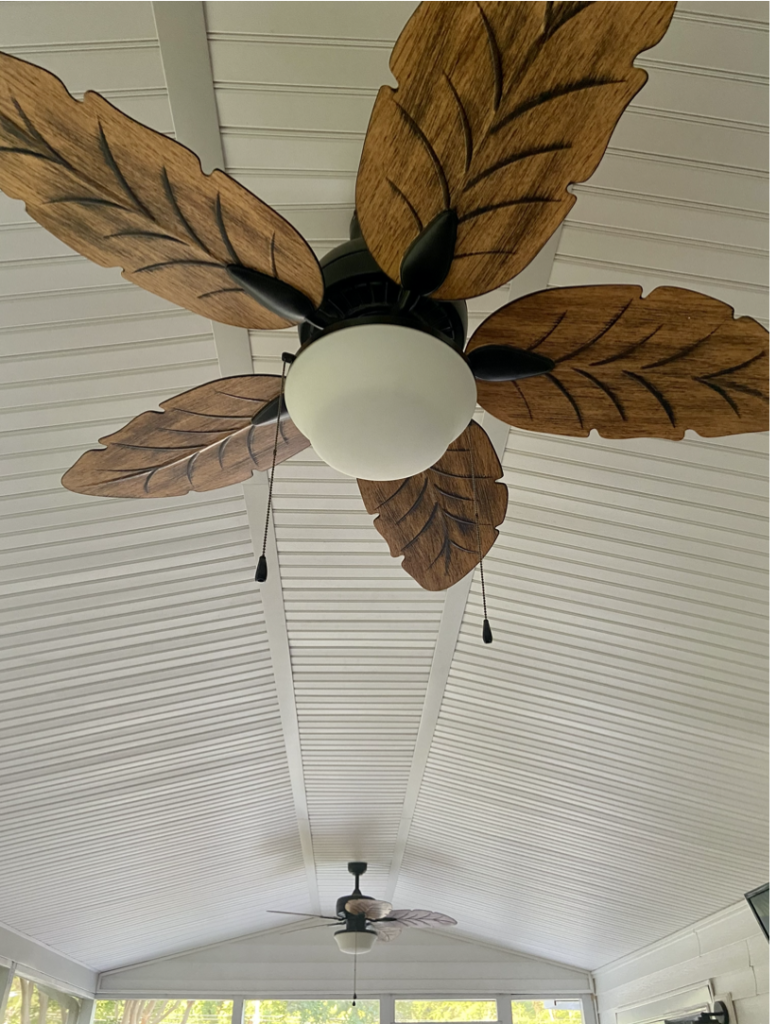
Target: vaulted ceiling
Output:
{"points": [[182, 751]]}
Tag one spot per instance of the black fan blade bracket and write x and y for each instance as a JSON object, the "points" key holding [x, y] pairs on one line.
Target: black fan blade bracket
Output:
{"points": [[504, 363], [274, 294], [428, 259]]}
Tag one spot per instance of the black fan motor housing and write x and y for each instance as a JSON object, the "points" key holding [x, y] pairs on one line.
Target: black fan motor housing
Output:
{"points": [[356, 291]]}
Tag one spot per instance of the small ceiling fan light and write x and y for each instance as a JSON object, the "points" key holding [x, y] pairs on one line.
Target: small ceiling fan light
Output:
{"points": [[355, 942], [380, 401]]}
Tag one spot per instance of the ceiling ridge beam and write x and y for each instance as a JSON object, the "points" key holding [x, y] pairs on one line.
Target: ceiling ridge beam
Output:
{"points": [[534, 278], [183, 43]]}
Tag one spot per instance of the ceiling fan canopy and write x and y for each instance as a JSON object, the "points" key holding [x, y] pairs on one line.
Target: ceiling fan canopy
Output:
{"points": [[464, 175]]}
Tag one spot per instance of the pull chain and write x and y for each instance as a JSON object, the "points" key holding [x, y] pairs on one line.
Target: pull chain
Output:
{"points": [[354, 978], [488, 636], [261, 568]]}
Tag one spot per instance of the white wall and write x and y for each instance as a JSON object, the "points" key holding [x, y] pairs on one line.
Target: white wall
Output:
{"points": [[728, 949], [304, 962]]}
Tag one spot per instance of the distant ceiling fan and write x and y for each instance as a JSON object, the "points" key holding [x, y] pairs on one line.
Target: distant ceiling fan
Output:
{"points": [[464, 176], [366, 919]]}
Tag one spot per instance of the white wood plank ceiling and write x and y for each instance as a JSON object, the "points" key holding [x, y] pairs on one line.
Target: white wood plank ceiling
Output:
{"points": [[175, 759]]}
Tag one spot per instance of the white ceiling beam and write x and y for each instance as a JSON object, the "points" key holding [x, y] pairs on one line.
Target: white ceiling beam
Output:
{"points": [[185, 55], [34, 959], [534, 278]]}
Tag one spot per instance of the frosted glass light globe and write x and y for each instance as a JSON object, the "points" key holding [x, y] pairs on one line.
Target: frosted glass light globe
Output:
{"points": [[380, 401], [355, 942]]}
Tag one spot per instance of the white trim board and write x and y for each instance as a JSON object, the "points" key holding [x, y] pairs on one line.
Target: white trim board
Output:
{"points": [[534, 278], [183, 44]]}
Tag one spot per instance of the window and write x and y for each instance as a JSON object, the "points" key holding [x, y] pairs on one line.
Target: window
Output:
{"points": [[31, 1003], [547, 1011], [154, 1011], [414, 1011], [311, 1011]]}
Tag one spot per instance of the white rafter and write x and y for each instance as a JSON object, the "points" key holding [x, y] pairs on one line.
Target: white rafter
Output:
{"points": [[533, 279], [183, 43]]}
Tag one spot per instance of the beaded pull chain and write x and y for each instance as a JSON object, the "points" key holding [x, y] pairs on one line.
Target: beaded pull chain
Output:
{"points": [[488, 636], [261, 568]]}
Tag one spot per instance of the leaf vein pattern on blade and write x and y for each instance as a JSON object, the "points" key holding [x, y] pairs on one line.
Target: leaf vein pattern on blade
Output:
{"points": [[89, 201], [416, 503], [224, 233], [597, 337], [170, 194], [558, 14], [398, 191], [545, 337], [107, 153], [496, 58], [655, 392], [739, 366], [424, 528], [517, 387], [508, 161], [180, 263], [605, 388], [466, 127], [683, 352], [523, 201], [37, 137], [566, 394], [483, 252], [146, 234], [630, 350], [399, 490], [753, 392], [421, 135], [550, 95], [218, 291], [721, 391]]}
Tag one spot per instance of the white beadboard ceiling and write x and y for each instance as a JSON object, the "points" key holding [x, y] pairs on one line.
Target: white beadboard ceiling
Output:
{"points": [[176, 759]]}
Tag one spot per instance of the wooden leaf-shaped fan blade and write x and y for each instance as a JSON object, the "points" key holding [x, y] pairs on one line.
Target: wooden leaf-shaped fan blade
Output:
{"points": [[373, 910], [203, 439], [125, 196], [430, 517], [421, 918], [630, 367], [387, 930], [500, 107]]}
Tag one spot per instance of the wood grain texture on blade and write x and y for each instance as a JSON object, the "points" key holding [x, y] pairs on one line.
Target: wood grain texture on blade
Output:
{"points": [[123, 195], [429, 518], [631, 367], [203, 439], [500, 107]]}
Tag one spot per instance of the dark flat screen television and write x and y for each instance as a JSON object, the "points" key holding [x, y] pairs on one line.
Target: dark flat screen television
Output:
{"points": [[759, 904]]}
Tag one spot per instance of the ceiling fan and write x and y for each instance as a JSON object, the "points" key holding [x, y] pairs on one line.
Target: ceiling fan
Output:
{"points": [[463, 177], [367, 920]]}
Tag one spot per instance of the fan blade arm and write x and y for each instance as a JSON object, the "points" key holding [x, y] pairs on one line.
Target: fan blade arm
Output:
{"points": [[279, 297], [294, 913], [628, 365], [504, 362]]}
